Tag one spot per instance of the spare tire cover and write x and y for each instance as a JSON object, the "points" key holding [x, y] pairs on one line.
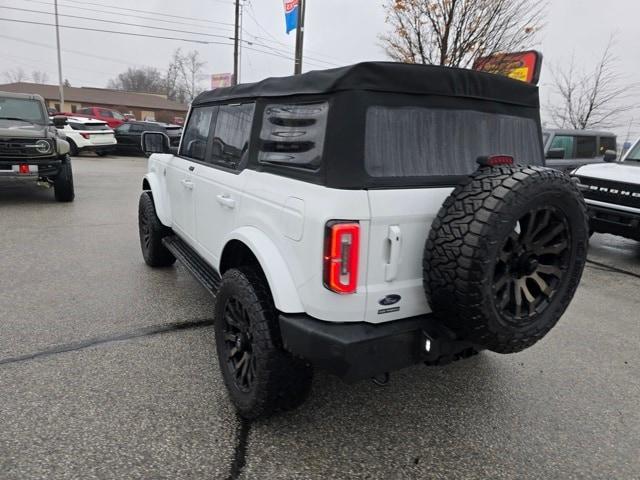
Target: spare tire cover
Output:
{"points": [[505, 255]]}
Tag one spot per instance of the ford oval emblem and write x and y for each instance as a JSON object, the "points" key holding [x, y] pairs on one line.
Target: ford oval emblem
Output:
{"points": [[390, 300]]}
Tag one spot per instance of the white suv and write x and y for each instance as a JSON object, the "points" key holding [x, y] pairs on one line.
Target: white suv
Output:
{"points": [[364, 219], [89, 135]]}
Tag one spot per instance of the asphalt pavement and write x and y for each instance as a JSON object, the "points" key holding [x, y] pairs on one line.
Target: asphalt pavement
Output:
{"points": [[108, 370]]}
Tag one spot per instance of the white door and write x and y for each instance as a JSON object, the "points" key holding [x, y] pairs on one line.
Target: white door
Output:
{"points": [[219, 183], [180, 186], [180, 171], [400, 223]]}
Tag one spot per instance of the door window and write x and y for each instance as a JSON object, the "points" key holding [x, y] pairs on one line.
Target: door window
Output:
{"points": [[586, 147], [607, 143], [124, 128], [194, 143], [230, 145], [566, 142], [136, 128]]}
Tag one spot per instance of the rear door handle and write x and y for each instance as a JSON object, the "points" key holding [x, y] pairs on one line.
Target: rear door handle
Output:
{"points": [[394, 238], [188, 184], [226, 201]]}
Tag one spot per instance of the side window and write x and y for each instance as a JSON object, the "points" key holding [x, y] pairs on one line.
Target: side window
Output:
{"points": [[137, 128], [607, 143], [566, 143], [293, 135], [124, 128], [230, 145], [586, 147], [194, 141]]}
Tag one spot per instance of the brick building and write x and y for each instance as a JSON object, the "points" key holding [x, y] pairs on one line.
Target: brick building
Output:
{"points": [[141, 105]]}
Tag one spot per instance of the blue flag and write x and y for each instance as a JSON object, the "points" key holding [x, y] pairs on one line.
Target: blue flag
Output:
{"points": [[291, 9]]}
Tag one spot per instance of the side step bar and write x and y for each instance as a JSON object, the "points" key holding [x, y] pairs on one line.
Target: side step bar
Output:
{"points": [[201, 270]]}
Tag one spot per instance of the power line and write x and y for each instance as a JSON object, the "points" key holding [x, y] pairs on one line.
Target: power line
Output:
{"points": [[118, 23], [314, 60], [173, 22], [115, 32], [152, 12]]}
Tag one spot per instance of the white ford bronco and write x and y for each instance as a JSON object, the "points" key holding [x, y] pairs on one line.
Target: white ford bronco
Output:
{"points": [[364, 219], [612, 193]]}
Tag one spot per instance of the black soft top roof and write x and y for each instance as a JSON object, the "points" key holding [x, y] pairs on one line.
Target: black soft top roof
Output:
{"points": [[386, 77]]}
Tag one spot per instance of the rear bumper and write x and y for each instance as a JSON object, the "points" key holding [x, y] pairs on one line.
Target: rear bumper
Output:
{"points": [[617, 222], [361, 350], [106, 148]]}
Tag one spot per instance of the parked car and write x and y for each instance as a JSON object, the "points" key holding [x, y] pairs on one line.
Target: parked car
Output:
{"points": [[612, 193], [364, 219], [568, 149], [89, 135], [113, 118], [31, 148], [129, 134]]}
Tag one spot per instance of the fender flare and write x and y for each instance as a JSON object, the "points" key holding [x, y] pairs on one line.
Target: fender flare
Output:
{"points": [[160, 200], [283, 289]]}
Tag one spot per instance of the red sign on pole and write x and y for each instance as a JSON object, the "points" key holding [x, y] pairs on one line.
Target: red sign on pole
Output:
{"points": [[523, 66]]}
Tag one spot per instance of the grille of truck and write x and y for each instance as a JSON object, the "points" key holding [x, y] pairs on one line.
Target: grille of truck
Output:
{"points": [[20, 147], [618, 193]]}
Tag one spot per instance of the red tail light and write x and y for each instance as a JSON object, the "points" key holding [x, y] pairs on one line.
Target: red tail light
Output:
{"points": [[86, 135], [23, 168], [495, 160], [342, 247]]}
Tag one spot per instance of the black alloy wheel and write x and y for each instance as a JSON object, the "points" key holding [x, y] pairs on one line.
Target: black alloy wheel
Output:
{"points": [[531, 264], [238, 342]]}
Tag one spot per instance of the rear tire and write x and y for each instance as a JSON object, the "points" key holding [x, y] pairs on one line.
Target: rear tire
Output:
{"points": [[505, 255], [73, 148], [152, 231], [63, 183], [260, 376]]}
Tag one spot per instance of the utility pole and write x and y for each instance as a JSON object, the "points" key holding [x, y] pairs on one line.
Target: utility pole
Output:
{"points": [[55, 6], [300, 38], [236, 45]]}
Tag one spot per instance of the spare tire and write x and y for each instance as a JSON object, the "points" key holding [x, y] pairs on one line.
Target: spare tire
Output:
{"points": [[505, 255]]}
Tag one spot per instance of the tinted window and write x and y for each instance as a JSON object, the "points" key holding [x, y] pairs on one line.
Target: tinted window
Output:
{"points": [[194, 144], [293, 135], [564, 142], [137, 128], [607, 143], [124, 128], [418, 142], [106, 113], [231, 136], [586, 147]]}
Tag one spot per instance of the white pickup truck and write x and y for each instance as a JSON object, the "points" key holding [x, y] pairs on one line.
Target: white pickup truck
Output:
{"points": [[364, 219]]}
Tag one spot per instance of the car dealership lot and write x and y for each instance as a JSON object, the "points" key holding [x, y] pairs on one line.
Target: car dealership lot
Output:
{"points": [[108, 369]]}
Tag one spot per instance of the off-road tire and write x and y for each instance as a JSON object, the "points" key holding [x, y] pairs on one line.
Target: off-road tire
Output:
{"points": [[280, 381], [63, 183], [466, 247], [152, 231]]}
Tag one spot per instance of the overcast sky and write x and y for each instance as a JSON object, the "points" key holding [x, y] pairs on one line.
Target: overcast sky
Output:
{"points": [[338, 32]]}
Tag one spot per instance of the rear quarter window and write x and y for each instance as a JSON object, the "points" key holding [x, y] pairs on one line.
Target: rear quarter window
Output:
{"points": [[293, 135], [422, 142]]}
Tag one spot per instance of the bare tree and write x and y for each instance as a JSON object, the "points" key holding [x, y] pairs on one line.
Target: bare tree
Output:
{"points": [[142, 79], [39, 77], [456, 32], [185, 72], [593, 99], [16, 75]]}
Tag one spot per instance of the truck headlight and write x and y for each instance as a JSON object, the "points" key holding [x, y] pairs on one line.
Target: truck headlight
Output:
{"points": [[42, 146]]}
